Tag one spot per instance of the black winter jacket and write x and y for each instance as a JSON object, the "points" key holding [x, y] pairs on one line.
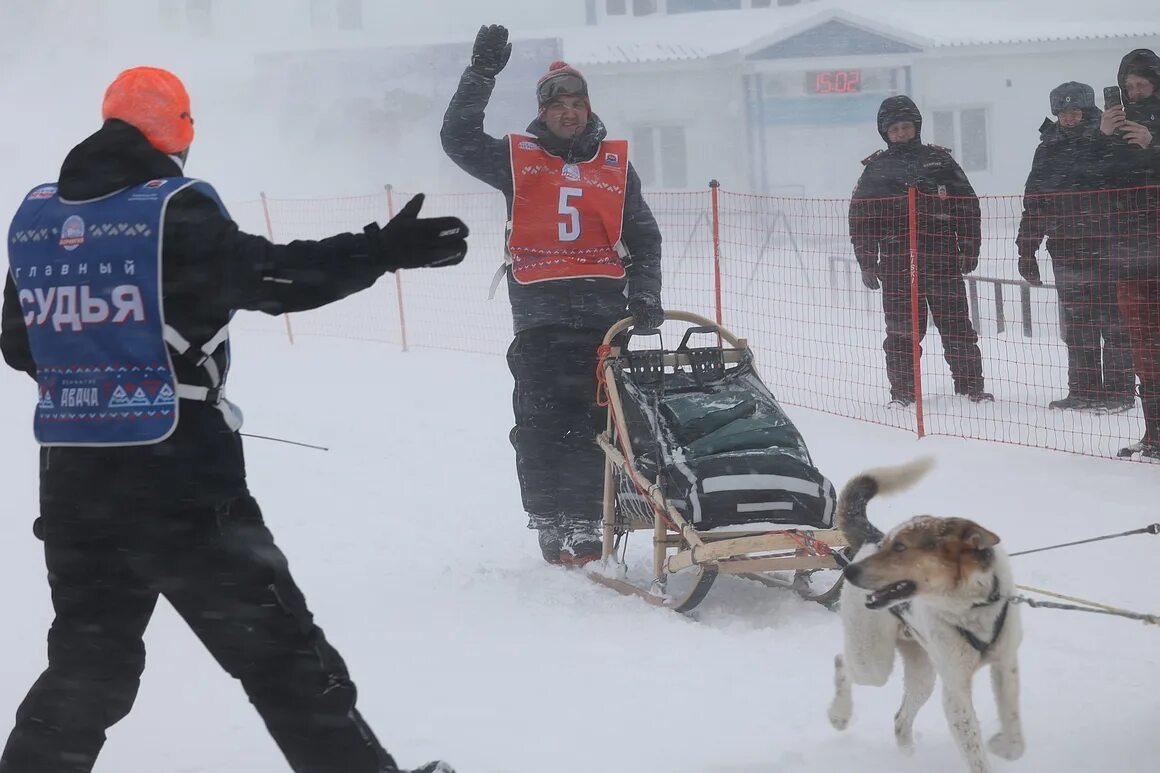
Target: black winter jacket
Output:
{"points": [[1125, 166], [1064, 163], [948, 214], [579, 303], [209, 270]]}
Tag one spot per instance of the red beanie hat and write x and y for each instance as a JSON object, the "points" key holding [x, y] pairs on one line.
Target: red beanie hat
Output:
{"points": [[561, 80], [156, 103]]}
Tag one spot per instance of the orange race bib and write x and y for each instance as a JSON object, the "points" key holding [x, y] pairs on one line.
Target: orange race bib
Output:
{"points": [[566, 218]]}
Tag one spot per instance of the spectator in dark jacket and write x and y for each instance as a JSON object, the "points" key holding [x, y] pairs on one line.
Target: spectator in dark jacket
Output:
{"points": [[1059, 202], [1129, 169], [948, 242], [582, 245], [135, 508]]}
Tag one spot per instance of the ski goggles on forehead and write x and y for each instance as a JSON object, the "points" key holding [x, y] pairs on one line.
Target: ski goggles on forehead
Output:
{"points": [[566, 85]]}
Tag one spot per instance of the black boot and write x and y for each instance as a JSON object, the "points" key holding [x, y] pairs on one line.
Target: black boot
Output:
{"points": [[550, 536], [1149, 445], [1075, 402], [438, 766], [582, 541], [550, 540], [972, 388]]}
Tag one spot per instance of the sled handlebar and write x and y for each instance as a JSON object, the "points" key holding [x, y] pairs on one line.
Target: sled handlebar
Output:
{"points": [[679, 316]]}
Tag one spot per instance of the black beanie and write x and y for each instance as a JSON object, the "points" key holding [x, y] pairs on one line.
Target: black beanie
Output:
{"points": [[896, 109]]}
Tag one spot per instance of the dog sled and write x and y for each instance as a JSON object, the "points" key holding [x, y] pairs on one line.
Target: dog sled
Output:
{"points": [[699, 453]]}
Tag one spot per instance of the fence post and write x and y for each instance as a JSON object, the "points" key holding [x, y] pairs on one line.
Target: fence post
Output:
{"points": [[270, 235], [390, 189], [714, 188], [916, 344]]}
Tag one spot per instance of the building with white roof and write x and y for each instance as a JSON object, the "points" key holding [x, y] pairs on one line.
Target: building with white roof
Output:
{"points": [[774, 96], [783, 99]]}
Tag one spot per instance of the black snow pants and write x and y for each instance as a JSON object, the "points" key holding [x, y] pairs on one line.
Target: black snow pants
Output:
{"points": [[218, 566], [1091, 313], [560, 467], [945, 295]]}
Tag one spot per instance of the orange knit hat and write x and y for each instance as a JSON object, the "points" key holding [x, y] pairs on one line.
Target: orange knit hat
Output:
{"points": [[154, 101]]}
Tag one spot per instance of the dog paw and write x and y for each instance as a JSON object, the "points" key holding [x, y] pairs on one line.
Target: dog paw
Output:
{"points": [[839, 715], [904, 737], [1005, 746]]}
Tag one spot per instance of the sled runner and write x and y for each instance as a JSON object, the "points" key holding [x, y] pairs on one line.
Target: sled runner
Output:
{"points": [[699, 452]]}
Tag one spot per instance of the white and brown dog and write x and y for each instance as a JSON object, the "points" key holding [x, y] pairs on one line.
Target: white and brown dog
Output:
{"points": [[937, 591]]}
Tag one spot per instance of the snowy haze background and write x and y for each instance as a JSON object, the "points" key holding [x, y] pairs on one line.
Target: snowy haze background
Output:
{"points": [[408, 539]]}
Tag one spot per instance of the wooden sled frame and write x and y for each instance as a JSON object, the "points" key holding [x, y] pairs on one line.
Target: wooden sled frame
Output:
{"points": [[750, 554]]}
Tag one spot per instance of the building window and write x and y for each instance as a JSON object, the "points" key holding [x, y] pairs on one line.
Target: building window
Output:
{"points": [[964, 131], [199, 17], [350, 15], [659, 156], [343, 15], [170, 14], [196, 16], [616, 7], [644, 7], [690, 6]]}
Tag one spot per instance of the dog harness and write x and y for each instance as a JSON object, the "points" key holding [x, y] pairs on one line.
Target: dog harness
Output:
{"points": [[982, 647]]}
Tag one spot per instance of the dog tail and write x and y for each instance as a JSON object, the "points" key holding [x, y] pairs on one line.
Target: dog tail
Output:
{"points": [[851, 515]]}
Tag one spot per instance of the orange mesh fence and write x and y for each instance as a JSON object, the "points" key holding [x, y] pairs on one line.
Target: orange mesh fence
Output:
{"points": [[785, 274]]}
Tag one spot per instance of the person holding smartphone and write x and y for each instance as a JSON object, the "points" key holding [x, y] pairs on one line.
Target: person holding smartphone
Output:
{"points": [[1128, 170]]}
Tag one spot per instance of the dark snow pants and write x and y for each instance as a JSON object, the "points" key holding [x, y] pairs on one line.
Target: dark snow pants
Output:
{"points": [[220, 569], [560, 467], [1092, 313], [1140, 303], [945, 295]]}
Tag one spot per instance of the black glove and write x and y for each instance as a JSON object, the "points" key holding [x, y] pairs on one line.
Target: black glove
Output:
{"points": [[408, 241], [492, 50], [870, 278], [968, 255], [1029, 269], [646, 310]]}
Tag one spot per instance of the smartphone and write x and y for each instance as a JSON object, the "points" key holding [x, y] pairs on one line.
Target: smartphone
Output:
{"points": [[1112, 97]]}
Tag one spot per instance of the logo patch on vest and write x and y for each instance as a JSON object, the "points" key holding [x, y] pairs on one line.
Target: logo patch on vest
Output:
{"points": [[72, 233], [44, 192], [155, 183], [611, 159], [528, 145], [571, 172]]}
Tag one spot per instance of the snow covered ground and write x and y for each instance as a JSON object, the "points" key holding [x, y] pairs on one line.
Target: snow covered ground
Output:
{"points": [[408, 539]]}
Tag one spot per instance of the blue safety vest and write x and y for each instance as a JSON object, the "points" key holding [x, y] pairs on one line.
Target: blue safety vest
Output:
{"points": [[88, 276]]}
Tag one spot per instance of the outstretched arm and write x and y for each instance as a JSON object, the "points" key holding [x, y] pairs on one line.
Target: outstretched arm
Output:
{"points": [[464, 141]]}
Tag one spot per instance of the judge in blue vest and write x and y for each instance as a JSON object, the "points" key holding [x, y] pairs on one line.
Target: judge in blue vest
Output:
{"points": [[123, 277]]}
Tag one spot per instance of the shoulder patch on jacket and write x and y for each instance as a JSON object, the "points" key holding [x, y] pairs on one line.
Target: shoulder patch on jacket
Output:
{"points": [[866, 161], [940, 147]]}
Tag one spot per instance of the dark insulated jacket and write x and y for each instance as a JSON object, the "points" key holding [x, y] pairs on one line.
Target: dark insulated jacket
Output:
{"points": [[579, 303], [209, 270], [1121, 165], [947, 214], [1060, 200]]}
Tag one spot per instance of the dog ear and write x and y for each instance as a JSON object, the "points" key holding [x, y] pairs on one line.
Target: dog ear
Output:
{"points": [[977, 538]]}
